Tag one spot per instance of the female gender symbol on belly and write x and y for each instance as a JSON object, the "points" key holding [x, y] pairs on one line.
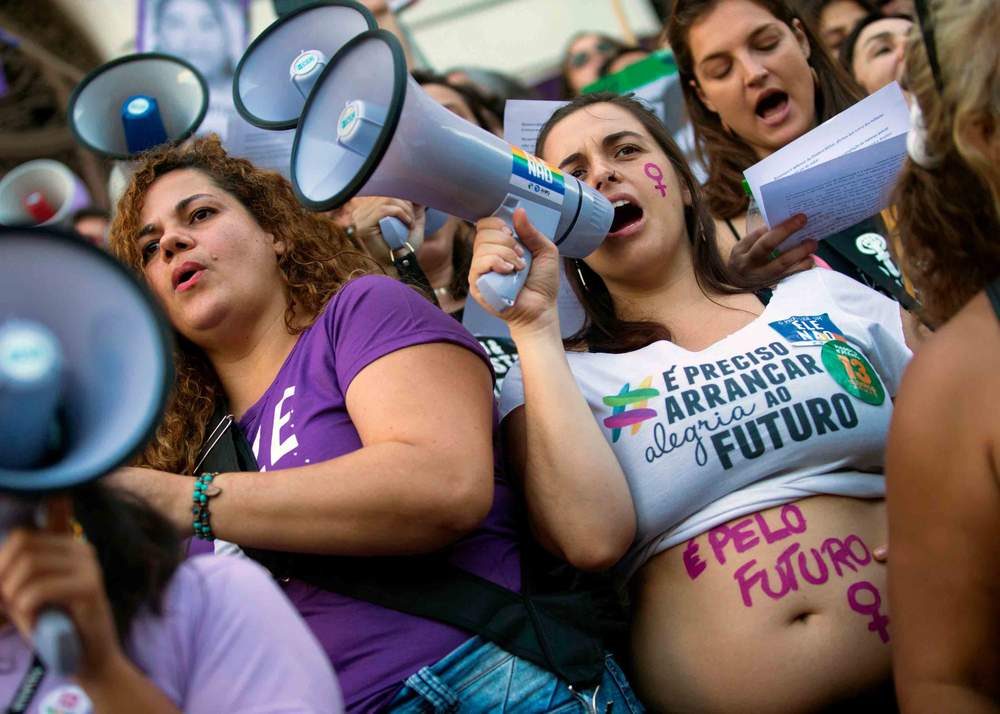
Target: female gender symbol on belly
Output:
{"points": [[656, 173], [880, 622]]}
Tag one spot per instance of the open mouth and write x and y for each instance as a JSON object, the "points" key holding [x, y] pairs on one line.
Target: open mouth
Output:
{"points": [[626, 214], [771, 104], [187, 277]]}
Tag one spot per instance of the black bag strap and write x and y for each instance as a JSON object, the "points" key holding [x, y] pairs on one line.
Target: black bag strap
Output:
{"points": [[559, 632], [536, 628]]}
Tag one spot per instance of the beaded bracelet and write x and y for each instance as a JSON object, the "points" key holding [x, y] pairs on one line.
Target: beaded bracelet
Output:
{"points": [[203, 490]]}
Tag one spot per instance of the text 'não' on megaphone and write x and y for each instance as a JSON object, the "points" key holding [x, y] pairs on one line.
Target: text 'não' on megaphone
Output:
{"points": [[84, 372], [369, 129], [42, 192], [136, 102]]}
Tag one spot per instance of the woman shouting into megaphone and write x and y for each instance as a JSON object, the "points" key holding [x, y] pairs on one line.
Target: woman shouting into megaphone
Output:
{"points": [[727, 441]]}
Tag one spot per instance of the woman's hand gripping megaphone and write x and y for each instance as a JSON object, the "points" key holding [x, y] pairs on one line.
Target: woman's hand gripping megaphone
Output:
{"points": [[497, 252]]}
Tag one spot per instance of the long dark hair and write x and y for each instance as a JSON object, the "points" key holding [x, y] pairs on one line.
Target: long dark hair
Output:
{"points": [[138, 549], [603, 330], [726, 155]]}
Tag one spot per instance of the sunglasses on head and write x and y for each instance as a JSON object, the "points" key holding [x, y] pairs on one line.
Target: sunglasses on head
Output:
{"points": [[578, 59]]}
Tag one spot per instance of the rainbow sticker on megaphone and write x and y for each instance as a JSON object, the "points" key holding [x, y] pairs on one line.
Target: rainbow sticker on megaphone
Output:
{"points": [[537, 177]]}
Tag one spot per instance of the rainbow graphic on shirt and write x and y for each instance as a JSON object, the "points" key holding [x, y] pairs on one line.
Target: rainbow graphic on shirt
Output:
{"points": [[629, 408]]}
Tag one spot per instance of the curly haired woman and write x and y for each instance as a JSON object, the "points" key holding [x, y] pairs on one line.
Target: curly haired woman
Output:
{"points": [[369, 409]]}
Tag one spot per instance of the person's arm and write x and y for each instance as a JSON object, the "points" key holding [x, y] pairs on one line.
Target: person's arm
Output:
{"points": [[943, 498], [39, 570], [577, 495], [422, 479]]}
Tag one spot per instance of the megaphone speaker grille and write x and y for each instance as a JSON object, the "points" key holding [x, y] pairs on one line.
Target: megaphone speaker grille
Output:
{"points": [[95, 107], [347, 125], [263, 90], [115, 349]]}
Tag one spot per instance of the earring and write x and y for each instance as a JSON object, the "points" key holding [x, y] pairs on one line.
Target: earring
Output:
{"points": [[579, 274], [815, 75]]}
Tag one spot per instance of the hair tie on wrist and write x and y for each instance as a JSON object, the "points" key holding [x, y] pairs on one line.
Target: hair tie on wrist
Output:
{"points": [[203, 491]]}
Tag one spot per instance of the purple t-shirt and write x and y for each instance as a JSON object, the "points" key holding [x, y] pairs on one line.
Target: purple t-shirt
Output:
{"points": [[302, 418], [209, 652]]}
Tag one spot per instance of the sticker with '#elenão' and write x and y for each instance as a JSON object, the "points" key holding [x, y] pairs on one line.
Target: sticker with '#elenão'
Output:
{"points": [[852, 371]]}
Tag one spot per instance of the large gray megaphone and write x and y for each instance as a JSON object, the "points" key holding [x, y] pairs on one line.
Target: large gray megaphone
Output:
{"points": [[41, 192], [82, 382], [280, 67], [369, 129], [137, 102]]}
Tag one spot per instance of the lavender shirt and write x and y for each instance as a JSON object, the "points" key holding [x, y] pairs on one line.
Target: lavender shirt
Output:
{"points": [[302, 419], [209, 651]]}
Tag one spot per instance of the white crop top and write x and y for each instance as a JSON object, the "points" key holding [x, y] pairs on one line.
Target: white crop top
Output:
{"points": [[797, 403]]}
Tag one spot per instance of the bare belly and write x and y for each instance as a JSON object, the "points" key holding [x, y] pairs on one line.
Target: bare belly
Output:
{"points": [[780, 611]]}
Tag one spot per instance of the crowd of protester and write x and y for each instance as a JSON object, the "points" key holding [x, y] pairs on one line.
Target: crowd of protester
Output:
{"points": [[749, 480]]}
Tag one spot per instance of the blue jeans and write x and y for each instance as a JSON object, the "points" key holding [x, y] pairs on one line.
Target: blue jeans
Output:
{"points": [[479, 676]]}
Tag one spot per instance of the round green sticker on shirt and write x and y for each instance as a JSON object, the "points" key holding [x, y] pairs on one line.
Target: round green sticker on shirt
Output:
{"points": [[852, 371]]}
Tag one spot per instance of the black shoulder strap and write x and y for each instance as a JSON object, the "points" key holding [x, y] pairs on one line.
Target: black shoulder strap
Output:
{"points": [[993, 293], [543, 629], [560, 632]]}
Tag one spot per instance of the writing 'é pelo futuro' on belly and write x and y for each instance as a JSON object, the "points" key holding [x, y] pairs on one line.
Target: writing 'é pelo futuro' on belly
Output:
{"points": [[795, 566]]}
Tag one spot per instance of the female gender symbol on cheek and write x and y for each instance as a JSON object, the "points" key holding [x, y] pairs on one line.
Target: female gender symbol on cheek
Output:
{"points": [[880, 622], [656, 173]]}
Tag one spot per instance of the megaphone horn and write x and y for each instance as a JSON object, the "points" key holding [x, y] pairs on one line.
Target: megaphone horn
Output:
{"points": [[84, 371], [368, 128], [41, 192], [136, 102], [280, 67]]}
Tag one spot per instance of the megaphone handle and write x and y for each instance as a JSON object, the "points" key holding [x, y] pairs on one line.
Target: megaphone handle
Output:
{"points": [[56, 642], [394, 232], [498, 290], [55, 638]]}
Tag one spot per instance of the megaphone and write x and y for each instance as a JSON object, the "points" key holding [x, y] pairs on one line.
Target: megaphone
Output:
{"points": [[136, 102], [41, 192], [280, 67], [82, 381], [368, 128]]}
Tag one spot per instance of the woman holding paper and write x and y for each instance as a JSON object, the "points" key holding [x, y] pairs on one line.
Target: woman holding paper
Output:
{"points": [[724, 459], [755, 79]]}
